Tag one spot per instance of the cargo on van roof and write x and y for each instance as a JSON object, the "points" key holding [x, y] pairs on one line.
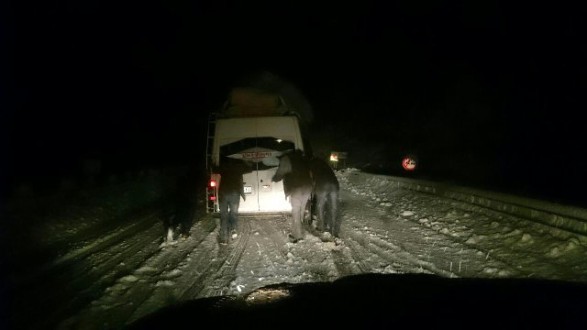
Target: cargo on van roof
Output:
{"points": [[266, 94]]}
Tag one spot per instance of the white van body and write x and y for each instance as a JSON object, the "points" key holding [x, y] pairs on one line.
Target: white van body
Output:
{"points": [[259, 141]]}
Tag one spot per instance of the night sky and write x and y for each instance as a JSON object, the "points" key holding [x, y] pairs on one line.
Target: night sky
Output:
{"points": [[484, 92]]}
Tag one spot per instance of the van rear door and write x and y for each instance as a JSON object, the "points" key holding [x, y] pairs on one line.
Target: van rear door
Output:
{"points": [[259, 142], [261, 154]]}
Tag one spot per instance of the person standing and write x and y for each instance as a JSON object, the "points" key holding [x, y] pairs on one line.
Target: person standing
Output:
{"points": [[186, 201], [182, 210], [230, 190]]}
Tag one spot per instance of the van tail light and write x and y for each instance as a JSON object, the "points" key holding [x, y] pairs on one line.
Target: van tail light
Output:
{"points": [[214, 180], [212, 192], [212, 186]]}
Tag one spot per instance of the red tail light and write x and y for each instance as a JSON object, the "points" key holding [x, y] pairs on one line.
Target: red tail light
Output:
{"points": [[212, 198], [212, 183]]}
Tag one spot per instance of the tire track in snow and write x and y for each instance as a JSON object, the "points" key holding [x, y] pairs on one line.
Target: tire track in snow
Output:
{"points": [[169, 285], [507, 245], [345, 263], [365, 246], [220, 271], [73, 284], [228, 260], [397, 256], [485, 256], [473, 262], [515, 228], [263, 261], [269, 227], [130, 290]]}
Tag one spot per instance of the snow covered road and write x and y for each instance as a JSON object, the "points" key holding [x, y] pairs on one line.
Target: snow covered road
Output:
{"points": [[385, 229]]}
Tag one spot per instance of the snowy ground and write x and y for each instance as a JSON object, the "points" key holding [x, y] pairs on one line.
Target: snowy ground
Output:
{"points": [[126, 273]]}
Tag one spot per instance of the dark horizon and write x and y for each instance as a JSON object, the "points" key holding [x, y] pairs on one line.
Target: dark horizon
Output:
{"points": [[492, 86]]}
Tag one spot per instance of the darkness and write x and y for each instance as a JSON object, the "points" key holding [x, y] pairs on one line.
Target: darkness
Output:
{"points": [[486, 94]]}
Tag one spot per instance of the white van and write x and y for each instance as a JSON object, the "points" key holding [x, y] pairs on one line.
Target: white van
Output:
{"points": [[259, 141]]}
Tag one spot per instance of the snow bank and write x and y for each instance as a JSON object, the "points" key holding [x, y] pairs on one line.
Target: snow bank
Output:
{"points": [[568, 218]]}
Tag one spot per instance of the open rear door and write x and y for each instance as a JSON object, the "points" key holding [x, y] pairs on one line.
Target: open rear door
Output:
{"points": [[262, 154], [259, 141]]}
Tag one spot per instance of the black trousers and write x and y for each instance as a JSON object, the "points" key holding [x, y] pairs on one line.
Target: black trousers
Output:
{"points": [[228, 214]]}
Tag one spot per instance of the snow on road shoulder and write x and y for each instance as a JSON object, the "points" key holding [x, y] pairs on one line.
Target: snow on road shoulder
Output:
{"points": [[392, 239], [534, 249]]}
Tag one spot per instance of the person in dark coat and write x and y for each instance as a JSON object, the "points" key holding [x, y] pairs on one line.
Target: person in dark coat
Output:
{"points": [[230, 190], [186, 203], [183, 208], [297, 185], [325, 192]]}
